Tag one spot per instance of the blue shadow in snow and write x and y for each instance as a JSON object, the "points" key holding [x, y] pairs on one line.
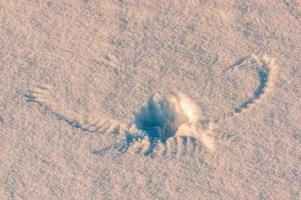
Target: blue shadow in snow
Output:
{"points": [[259, 91]]}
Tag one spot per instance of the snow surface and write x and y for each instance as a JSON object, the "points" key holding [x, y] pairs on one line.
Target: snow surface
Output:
{"points": [[81, 118]]}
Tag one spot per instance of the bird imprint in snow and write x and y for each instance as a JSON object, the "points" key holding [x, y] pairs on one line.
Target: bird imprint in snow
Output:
{"points": [[166, 126]]}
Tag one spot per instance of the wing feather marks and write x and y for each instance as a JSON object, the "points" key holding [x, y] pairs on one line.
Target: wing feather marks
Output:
{"points": [[47, 97]]}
